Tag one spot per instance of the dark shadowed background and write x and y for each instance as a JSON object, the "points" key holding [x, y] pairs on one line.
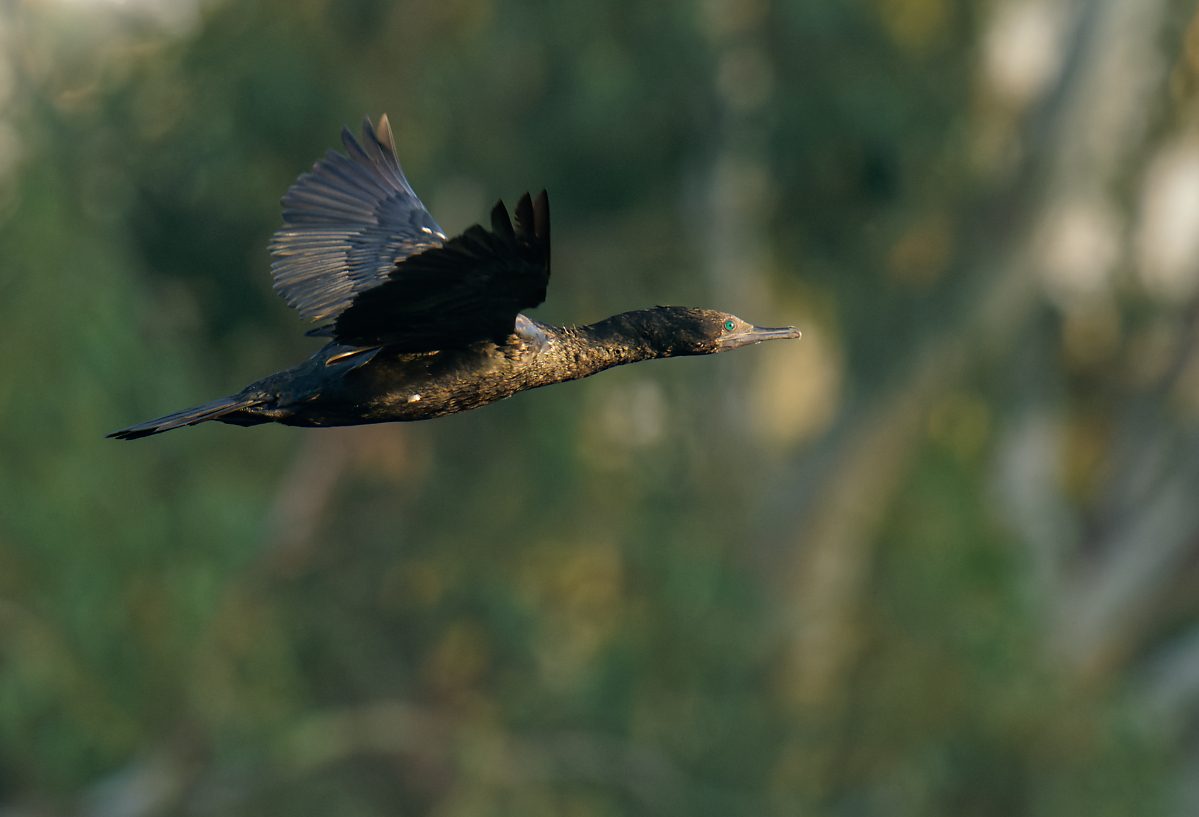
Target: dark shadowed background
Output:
{"points": [[938, 558]]}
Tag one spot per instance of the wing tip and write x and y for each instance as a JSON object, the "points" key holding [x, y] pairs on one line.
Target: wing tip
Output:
{"points": [[383, 129], [501, 222], [533, 219], [541, 224], [368, 130], [379, 135]]}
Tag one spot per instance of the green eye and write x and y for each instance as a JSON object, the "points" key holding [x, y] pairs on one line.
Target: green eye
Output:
{"points": [[729, 326]]}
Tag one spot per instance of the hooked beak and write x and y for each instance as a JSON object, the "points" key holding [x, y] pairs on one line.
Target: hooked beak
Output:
{"points": [[755, 334]]}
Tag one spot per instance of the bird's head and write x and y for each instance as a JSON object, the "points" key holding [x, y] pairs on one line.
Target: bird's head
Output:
{"points": [[685, 330]]}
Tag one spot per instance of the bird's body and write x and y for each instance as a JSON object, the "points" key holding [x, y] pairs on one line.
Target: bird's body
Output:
{"points": [[424, 325]]}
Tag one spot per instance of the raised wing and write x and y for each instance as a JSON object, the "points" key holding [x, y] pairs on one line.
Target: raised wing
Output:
{"points": [[346, 224], [470, 288]]}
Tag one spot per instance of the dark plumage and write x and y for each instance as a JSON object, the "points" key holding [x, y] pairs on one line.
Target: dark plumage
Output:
{"points": [[424, 325]]}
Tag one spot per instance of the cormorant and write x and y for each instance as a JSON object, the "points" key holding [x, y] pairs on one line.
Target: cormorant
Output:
{"points": [[423, 325]]}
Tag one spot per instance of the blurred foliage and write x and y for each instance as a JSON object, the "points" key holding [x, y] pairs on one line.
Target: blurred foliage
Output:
{"points": [[936, 559]]}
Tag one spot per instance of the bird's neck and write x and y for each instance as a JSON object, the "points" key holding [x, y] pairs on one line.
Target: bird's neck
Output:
{"points": [[625, 338]]}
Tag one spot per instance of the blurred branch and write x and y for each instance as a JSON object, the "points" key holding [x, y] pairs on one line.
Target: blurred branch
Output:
{"points": [[487, 755], [301, 500], [308, 488], [1104, 605], [1028, 486], [441, 746], [1168, 691], [1148, 531]]}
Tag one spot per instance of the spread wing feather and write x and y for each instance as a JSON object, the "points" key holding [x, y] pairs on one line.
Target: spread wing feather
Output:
{"points": [[358, 248], [469, 288], [346, 224]]}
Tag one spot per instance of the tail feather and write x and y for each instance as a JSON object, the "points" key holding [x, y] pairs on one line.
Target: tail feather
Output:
{"points": [[213, 410]]}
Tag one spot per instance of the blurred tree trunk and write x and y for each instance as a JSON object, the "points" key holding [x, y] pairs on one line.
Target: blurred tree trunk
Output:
{"points": [[1073, 147]]}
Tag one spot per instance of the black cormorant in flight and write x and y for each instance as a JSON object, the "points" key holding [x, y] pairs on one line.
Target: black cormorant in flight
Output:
{"points": [[423, 325]]}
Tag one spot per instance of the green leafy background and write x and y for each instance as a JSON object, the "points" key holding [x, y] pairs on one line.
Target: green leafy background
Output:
{"points": [[938, 558]]}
